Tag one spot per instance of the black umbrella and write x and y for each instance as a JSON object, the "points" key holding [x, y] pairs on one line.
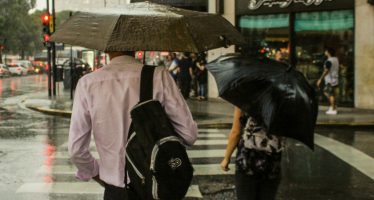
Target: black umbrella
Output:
{"points": [[274, 94]]}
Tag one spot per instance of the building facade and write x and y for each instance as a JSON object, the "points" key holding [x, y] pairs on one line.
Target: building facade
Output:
{"points": [[307, 27], [300, 30]]}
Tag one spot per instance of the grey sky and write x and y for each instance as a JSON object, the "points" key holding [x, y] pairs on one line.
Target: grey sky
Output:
{"points": [[80, 4], [41, 4]]}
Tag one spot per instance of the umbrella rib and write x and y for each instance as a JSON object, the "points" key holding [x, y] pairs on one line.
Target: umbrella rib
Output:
{"points": [[191, 36], [112, 27]]}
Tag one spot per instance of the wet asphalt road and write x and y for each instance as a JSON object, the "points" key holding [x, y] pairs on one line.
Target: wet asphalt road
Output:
{"points": [[33, 156]]}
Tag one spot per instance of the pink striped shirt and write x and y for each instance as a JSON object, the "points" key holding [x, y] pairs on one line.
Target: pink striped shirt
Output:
{"points": [[102, 103]]}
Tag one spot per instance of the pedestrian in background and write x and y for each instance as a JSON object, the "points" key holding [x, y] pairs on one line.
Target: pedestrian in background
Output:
{"points": [[331, 77], [194, 82], [102, 104], [185, 75], [173, 67], [202, 79], [258, 159]]}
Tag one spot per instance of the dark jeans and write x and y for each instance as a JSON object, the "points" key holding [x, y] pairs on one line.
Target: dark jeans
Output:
{"points": [[117, 193], [202, 89], [248, 188], [185, 86]]}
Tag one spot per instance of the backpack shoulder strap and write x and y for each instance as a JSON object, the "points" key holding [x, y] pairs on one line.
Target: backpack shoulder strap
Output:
{"points": [[146, 83]]}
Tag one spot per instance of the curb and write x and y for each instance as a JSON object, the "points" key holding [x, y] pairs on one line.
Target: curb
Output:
{"points": [[67, 114], [48, 111]]}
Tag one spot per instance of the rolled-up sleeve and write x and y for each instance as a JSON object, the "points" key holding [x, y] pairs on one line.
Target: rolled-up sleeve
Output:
{"points": [[177, 110], [80, 137]]}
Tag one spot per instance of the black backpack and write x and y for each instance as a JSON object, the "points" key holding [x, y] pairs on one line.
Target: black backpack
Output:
{"points": [[156, 159]]}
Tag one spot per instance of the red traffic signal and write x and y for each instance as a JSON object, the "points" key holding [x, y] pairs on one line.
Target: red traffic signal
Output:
{"points": [[46, 38], [46, 17]]}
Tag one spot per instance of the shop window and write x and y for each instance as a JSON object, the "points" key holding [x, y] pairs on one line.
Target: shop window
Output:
{"points": [[267, 34], [314, 32]]}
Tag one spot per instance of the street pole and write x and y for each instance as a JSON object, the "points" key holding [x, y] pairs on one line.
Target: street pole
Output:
{"points": [[71, 67], [54, 49], [2, 46], [292, 41], [71, 72], [49, 63]]}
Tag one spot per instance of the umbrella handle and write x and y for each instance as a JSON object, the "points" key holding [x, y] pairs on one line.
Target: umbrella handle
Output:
{"points": [[289, 68]]}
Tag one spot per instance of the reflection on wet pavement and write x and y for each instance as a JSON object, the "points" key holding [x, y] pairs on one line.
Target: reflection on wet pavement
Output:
{"points": [[34, 162]]}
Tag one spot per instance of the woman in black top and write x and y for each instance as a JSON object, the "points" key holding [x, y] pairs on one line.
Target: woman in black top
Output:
{"points": [[202, 79], [258, 159]]}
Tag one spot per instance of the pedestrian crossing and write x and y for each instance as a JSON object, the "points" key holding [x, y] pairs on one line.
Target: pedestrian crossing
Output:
{"points": [[205, 156]]}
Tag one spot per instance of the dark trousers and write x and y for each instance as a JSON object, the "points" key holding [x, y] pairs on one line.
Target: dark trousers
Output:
{"points": [[117, 193], [248, 188], [185, 86]]}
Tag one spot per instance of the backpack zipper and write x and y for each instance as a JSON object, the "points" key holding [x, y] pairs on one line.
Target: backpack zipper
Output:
{"points": [[156, 148], [140, 175], [153, 160]]}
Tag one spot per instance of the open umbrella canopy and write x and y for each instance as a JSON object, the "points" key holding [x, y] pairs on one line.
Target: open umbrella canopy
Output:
{"points": [[147, 26], [274, 94]]}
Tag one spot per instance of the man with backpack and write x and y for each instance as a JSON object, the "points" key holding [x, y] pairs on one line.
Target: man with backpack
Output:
{"points": [[102, 105]]}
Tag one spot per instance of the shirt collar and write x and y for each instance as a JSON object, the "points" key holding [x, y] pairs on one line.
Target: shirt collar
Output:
{"points": [[123, 60]]}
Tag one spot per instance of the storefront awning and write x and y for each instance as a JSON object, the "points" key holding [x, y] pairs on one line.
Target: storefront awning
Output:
{"points": [[324, 21], [308, 21], [264, 21], [178, 2]]}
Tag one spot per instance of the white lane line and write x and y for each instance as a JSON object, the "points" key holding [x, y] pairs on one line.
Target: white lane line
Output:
{"points": [[210, 153], [212, 169], [211, 142], [211, 135], [357, 159], [199, 169], [81, 188], [201, 136], [62, 188], [209, 130]]}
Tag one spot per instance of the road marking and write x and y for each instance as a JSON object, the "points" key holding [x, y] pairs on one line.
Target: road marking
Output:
{"points": [[81, 188], [210, 153], [209, 130], [212, 169], [357, 159], [211, 135], [203, 139], [211, 142], [199, 169]]}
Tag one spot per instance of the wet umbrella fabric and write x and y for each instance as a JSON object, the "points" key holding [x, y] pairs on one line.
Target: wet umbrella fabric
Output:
{"points": [[279, 97], [147, 26]]}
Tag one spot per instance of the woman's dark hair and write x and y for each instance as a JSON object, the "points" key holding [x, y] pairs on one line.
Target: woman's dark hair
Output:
{"points": [[331, 51]]}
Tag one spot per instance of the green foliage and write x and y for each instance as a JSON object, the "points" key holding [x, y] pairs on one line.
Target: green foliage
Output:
{"points": [[19, 28]]}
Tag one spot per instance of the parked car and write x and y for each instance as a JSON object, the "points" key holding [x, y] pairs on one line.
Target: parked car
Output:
{"points": [[39, 67], [4, 70], [17, 69], [28, 65]]}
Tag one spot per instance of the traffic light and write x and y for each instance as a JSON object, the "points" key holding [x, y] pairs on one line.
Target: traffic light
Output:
{"points": [[46, 38], [46, 19]]}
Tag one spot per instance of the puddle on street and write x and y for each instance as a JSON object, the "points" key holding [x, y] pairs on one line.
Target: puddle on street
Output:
{"points": [[206, 116], [5, 114]]}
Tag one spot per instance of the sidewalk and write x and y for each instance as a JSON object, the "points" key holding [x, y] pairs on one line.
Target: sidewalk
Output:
{"points": [[214, 113]]}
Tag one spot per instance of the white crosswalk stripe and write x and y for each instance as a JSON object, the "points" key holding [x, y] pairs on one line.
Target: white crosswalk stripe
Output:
{"points": [[210, 145]]}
